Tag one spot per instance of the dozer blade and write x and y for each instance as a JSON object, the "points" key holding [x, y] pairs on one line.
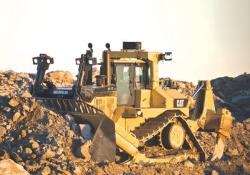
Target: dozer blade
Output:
{"points": [[104, 145], [212, 119]]}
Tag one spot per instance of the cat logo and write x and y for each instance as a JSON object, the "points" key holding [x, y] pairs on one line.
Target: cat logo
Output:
{"points": [[179, 103]]}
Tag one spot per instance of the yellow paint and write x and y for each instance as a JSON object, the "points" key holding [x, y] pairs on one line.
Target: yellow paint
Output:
{"points": [[153, 101]]}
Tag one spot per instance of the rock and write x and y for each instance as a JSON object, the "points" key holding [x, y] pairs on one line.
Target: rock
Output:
{"points": [[23, 133], [6, 109], [60, 78], [235, 94], [20, 149], [59, 151], [26, 94], [66, 172], [33, 156], [83, 151], [176, 172], [25, 107], [16, 157], [239, 125], [70, 133], [233, 152], [34, 144], [214, 134], [247, 126], [246, 168], [16, 116], [9, 167], [8, 126], [214, 172], [48, 154], [2, 131], [77, 171], [50, 122], [246, 144], [13, 102], [4, 154], [28, 150], [188, 164], [46, 170]]}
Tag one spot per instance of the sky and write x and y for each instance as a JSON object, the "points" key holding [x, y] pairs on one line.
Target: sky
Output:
{"points": [[208, 39]]}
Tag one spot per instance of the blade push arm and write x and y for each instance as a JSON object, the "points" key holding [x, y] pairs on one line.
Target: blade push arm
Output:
{"points": [[42, 61], [85, 62]]}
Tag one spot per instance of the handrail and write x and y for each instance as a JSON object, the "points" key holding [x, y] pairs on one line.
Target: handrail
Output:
{"points": [[198, 90]]}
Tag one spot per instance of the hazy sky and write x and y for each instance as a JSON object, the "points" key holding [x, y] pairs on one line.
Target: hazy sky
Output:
{"points": [[208, 38]]}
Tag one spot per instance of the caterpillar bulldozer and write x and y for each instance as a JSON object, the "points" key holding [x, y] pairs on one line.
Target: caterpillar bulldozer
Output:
{"points": [[127, 108]]}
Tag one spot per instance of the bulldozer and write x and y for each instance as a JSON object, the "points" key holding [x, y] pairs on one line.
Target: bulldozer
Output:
{"points": [[127, 108]]}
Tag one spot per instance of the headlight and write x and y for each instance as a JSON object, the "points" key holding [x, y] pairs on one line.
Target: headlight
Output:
{"points": [[139, 114], [48, 61]]}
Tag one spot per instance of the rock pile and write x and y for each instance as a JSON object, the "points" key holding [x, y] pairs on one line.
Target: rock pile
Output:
{"points": [[60, 78], [13, 84], [234, 93], [31, 135], [37, 138], [44, 142], [184, 87]]}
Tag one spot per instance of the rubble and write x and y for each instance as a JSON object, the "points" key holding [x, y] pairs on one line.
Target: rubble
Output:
{"points": [[186, 88], [43, 142], [234, 93], [188, 164], [60, 78], [246, 168], [46, 170], [214, 172], [12, 83], [26, 136], [33, 141]]}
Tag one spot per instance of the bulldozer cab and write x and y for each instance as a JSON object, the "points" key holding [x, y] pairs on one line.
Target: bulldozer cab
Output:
{"points": [[131, 71], [128, 78]]}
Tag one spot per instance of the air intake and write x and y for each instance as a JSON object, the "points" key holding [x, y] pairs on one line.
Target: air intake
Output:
{"points": [[131, 45]]}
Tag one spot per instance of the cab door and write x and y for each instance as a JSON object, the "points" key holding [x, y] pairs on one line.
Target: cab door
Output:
{"points": [[125, 84]]}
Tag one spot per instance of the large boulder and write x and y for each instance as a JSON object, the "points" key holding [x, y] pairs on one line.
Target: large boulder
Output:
{"points": [[60, 78], [233, 93], [95, 72], [9, 167]]}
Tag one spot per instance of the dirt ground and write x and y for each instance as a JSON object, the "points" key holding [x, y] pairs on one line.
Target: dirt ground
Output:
{"points": [[44, 142]]}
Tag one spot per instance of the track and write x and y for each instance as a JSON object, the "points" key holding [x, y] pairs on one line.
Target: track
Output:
{"points": [[154, 126]]}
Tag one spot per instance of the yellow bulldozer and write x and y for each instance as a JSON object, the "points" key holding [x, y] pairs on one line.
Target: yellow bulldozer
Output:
{"points": [[126, 108]]}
